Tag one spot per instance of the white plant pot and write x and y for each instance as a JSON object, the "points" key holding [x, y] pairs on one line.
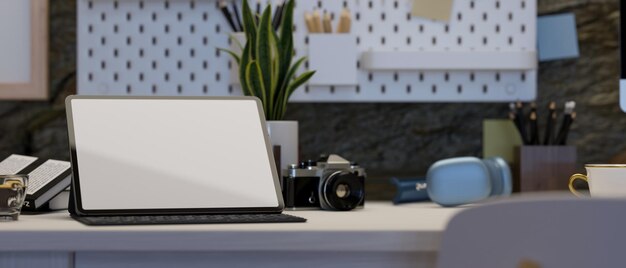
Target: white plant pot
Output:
{"points": [[284, 134]]}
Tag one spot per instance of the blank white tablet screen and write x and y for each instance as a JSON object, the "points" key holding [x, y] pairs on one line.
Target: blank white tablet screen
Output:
{"points": [[171, 154]]}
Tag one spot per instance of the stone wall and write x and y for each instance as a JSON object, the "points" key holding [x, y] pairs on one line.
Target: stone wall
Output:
{"points": [[388, 139]]}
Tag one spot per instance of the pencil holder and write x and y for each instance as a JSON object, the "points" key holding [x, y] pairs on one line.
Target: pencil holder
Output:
{"points": [[543, 168], [334, 58]]}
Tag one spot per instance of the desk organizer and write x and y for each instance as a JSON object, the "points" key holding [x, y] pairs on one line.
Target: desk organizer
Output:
{"points": [[543, 168], [170, 47]]}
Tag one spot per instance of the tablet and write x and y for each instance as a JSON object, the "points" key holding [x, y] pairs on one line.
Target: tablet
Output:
{"points": [[155, 155]]}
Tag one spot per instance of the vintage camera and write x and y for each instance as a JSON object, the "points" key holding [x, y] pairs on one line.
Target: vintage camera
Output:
{"points": [[331, 183]]}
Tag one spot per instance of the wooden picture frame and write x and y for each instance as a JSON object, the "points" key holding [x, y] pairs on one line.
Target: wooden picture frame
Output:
{"points": [[37, 87]]}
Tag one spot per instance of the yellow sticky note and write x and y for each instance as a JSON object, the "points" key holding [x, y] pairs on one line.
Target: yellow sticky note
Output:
{"points": [[432, 9]]}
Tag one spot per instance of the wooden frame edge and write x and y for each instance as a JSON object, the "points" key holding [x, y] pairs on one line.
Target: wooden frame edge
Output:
{"points": [[37, 88]]}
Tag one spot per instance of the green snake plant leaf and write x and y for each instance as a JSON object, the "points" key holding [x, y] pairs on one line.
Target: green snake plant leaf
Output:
{"points": [[243, 64], [264, 53], [285, 46], [295, 84], [253, 74], [249, 27], [283, 90], [232, 54]]}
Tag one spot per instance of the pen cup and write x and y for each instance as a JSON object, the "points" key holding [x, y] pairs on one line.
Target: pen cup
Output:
{"points": [[334, 59], [543, 168]]}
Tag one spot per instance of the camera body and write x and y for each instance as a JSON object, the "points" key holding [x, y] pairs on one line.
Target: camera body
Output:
{"points": [[331, 183]]}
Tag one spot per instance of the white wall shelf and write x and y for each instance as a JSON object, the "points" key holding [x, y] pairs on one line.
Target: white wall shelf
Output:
{"points": [[450, 60]]}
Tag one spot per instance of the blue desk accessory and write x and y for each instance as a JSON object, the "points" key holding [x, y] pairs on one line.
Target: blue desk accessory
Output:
{"points": [[457, 181]]}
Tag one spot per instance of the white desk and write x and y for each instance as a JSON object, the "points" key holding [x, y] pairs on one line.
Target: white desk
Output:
{"points": [[381, 235]]}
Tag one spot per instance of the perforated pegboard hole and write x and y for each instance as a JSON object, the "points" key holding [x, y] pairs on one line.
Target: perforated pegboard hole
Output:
{"points": [[434, 89], [497, 77], [523, 77], [459, 89], [408, 89], [179, 88], [485, 89], [90, 28], [128, 89], [205, 89], [154, 89], [383, 89], [115, 77]]}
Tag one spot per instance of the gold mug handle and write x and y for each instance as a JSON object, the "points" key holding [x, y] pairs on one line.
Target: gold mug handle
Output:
{"points": [[571, 183]]}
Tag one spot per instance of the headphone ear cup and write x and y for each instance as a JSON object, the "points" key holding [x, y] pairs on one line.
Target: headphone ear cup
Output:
{"points": [[458, 181], [499, 176]]}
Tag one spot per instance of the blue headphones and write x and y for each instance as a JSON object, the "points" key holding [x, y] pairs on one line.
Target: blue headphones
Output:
{"points": [[458, 181]]}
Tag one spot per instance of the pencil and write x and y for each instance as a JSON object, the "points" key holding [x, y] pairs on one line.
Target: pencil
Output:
{"points": [[229, 18], [328, 28], [345, 22], [519, 107], [278, 15], [317, 21], [237, 18], [548, 137]]}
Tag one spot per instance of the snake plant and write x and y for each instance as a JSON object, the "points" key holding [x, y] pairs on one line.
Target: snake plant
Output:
{"points": [[266, 66]]}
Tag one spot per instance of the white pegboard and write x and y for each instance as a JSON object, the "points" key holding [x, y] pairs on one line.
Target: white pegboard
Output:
{"points": [[169, 47]]}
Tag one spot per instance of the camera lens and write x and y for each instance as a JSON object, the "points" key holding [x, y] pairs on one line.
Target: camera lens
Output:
{"points": [[343, 190]]}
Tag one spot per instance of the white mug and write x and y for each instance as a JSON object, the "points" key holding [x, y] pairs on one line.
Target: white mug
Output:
{"points": [[605, 180]]}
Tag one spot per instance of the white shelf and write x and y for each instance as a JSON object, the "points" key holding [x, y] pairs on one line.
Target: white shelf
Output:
{"points": [[449, 60]]}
